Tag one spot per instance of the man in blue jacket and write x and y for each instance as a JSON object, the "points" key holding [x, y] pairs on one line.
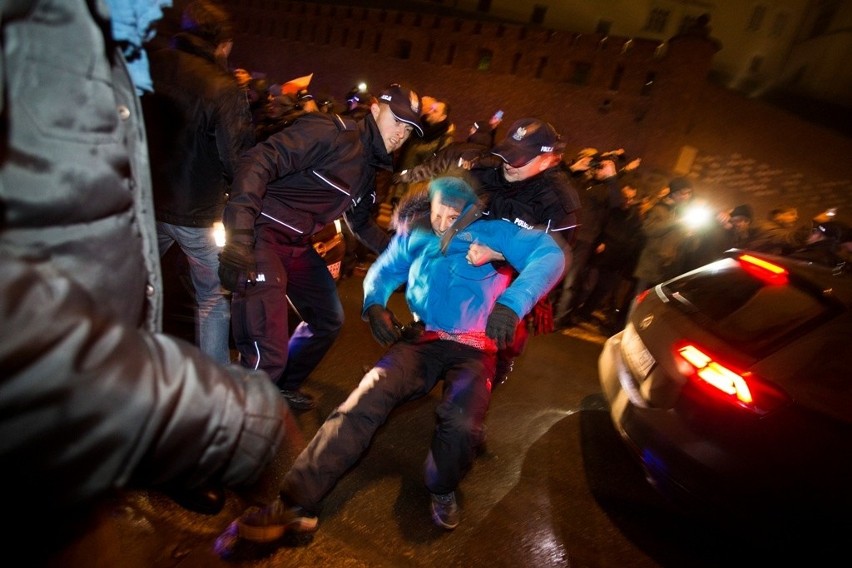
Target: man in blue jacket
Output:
{"points": [[463, 312]]}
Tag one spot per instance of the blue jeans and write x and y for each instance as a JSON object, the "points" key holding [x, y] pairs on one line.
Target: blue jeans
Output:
{"points": [[213, 311]]}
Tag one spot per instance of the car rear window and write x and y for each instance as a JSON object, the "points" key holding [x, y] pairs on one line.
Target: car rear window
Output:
{"points": [[741, 308]]}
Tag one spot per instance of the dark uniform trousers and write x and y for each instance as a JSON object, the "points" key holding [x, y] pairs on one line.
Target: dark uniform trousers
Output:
{"points": [[259, 313]]}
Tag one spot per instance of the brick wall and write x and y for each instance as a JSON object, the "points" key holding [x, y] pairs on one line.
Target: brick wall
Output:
{"points": [[752, 152], [745, 151]]}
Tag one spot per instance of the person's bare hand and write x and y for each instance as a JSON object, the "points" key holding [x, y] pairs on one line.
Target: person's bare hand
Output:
{"points": [[632, 164], [724, 219], [823, 217], [478, 254], [581, 165], [607, 169]]}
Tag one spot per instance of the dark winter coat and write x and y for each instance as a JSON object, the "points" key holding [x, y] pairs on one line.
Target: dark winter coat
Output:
{"points": [[198, 123], [92, 398], [598, 200], [622, 238], [667, 244], [775, 238]]}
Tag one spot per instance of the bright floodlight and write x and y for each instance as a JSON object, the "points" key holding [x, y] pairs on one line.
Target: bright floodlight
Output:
{"points": [[697, 216]]}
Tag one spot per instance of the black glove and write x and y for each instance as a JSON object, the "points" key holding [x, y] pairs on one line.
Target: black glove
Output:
{"points": [[501, 325], [384, 325], [236, 259]]}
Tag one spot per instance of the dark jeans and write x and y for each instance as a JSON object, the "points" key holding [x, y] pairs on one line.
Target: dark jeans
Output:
{"points": [[605, 281], [406, 372], [259, 314]]}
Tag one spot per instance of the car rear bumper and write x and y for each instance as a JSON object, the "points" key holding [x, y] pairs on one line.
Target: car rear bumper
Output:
{"points": [[680, 463]]}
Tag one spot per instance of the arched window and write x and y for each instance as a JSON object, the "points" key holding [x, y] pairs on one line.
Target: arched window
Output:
{"points": [[484, 58], [451, 54], [615, 84], [516, 63], [403, 49], [430, 50], [542, 65], [580, 72]]}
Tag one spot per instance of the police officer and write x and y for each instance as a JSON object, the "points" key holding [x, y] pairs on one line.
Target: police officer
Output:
{"points": [[528, 188], [285, 189]]}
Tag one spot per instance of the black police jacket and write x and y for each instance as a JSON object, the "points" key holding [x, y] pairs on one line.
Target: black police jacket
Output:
{"points": [[305, 176]]}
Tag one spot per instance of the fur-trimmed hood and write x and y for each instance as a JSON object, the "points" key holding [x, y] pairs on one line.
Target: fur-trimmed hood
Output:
{"points": [[455, 187]]}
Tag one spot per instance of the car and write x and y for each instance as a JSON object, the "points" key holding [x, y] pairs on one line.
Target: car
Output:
{"points": [[730, 385]]}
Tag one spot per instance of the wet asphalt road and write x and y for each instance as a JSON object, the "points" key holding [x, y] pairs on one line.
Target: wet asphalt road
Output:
{"points": [[553, 488]]}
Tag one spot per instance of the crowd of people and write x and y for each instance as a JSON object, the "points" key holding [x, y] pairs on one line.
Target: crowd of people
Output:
{"points": [[627, 243], [494, 237]]}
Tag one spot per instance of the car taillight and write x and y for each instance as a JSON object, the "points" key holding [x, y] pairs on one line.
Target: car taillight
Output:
{"points": [[763, 269], [742, 389], [641, 296]]}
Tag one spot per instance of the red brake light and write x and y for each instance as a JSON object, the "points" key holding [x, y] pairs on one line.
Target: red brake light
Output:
{"points": [[763, 269], [742, 389]]}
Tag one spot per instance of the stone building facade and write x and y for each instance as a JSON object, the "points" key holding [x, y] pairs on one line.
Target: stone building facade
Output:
{"points": [[653, 99], [643, 92]]}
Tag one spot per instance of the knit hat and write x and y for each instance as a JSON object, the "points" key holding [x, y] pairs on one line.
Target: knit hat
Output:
{"points": [[743, 211], [678, 184]]}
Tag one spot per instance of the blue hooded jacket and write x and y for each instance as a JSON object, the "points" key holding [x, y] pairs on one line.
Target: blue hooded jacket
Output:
{"points": [[444, 291]]}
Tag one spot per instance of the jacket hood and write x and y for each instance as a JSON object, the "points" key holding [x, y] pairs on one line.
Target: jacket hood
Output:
{"points": [[191, 43], [454, 190]]}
